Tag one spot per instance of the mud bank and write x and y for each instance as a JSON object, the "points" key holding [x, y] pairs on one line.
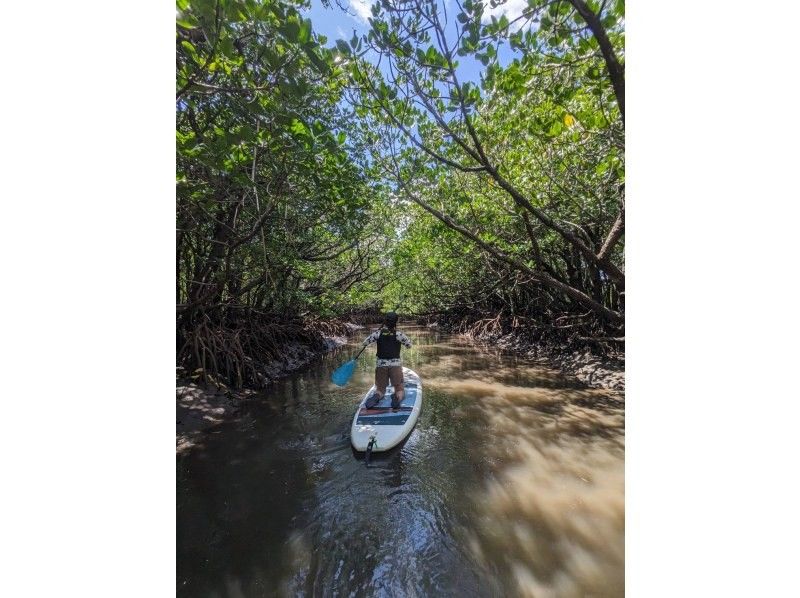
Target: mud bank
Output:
{"points": [[592, 370], [202, 405]]}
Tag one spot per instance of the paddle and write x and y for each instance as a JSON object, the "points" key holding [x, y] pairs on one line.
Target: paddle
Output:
{"points": [[344, 372]]}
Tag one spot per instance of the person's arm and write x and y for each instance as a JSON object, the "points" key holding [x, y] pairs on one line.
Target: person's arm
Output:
{"points": [[404, 339], [371, 338]]}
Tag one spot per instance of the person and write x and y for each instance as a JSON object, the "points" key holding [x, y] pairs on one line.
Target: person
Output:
{"points": [[388, 366]]}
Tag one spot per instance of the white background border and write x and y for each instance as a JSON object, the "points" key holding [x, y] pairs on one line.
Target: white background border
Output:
{"points": [[87, 444], [712, 309], [88, 163]]}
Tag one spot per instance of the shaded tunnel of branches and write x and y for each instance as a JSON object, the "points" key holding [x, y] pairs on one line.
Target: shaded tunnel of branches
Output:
{"points": [[318, 180]]}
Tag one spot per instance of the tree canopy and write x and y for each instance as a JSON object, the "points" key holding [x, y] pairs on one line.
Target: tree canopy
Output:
{"points": [[447, 163]]}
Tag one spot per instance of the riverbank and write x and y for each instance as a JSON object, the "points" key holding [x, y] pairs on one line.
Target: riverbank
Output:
{"points": [[592, 369], [200, 405]]}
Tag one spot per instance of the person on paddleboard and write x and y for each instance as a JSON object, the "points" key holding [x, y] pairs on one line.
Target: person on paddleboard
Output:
{"points": [[389, 366]]}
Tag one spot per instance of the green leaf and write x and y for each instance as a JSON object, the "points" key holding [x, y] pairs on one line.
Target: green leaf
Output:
{"points": [[342, 46], [291, 29], [187, 22], [298, 127], [190, 49], [320, 64], [304, 32], [608, 21]]}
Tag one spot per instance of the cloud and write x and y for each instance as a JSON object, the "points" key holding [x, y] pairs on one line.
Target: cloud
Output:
{"points": [[512, 9], [340, 32], [362, 8]]}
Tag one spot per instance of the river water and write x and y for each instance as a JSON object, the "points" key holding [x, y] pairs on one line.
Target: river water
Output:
{"points": [[511, 484]]}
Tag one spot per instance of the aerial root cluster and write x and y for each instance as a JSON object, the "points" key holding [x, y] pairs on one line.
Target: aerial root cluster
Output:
{"points": [[572, 331], [236, 350]]}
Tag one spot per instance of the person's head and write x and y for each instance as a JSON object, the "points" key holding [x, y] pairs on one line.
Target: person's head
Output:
{"points": [[390, 320]]}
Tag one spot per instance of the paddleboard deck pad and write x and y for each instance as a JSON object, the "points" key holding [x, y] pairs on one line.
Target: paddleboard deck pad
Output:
{"points": [[381, 424]]}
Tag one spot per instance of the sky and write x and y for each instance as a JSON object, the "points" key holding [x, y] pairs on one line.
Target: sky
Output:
{"points": [[335, 24]]}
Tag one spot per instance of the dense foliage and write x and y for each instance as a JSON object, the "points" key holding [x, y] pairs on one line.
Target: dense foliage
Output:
{"points": [[276, 222], [315, 178], [518, 180]]}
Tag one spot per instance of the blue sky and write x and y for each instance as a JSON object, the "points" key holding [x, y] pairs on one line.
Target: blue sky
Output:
{"points": [[335, 24]]}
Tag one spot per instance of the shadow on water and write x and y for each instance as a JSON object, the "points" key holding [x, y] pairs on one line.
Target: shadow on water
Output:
{"points": [[511, 484]]}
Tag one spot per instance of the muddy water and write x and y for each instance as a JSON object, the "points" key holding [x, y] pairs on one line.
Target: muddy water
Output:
{"points": [[510, 485]]}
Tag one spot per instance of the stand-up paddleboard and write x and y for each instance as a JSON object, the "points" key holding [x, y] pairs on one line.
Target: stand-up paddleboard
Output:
{"points": [[381, 427]]}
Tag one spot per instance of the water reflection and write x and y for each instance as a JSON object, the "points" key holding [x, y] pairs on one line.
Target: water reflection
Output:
{"points": [[511, 484]]}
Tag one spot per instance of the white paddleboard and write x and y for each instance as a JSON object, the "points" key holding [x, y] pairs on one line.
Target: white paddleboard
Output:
{"points": [[387, 426]]}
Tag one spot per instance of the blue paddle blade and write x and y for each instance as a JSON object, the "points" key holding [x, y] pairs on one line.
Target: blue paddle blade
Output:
{"points": [[343, 373]]}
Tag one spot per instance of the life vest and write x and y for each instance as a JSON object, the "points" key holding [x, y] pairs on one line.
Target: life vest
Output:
{"points": [[388, 345]]}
